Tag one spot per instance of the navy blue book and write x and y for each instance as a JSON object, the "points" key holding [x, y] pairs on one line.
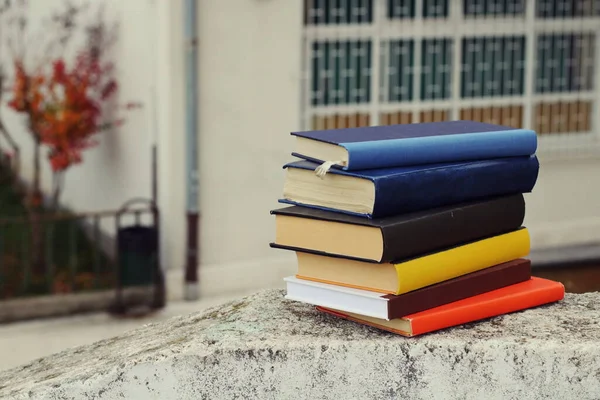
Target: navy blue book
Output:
{"points": [[378, 193], [355, 149]]}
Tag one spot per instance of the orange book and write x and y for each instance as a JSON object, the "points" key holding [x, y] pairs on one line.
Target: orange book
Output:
{"points": [[528, 294]]}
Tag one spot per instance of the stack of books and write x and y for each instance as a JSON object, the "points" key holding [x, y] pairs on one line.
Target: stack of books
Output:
{"points": [[412, 228]]}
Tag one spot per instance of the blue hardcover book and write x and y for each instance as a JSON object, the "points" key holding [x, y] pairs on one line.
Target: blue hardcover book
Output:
{"points": [[378, 193], [355, 149]]}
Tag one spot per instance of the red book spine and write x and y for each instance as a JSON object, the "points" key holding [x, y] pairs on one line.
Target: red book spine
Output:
{"points": [[528, 294], [517, 297]]}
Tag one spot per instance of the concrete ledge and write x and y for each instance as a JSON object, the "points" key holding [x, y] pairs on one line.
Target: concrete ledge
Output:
{"points": [[214, 278], [266, 347], [565, 255]]}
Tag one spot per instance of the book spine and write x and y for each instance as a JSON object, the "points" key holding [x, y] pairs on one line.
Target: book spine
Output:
{"points": [[445, 265], [436, 187], [458, 289], [492, 306], [439, 148], [453, 226]]}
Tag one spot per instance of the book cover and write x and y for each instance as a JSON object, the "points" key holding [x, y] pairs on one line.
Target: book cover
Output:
{"points": [[405, 276], [407, 189], [521, 296], [424, 143], [396, 237], [386, 306]]}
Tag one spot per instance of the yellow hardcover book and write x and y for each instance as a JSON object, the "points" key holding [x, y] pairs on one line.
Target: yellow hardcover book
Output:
{"points": [[413, 274]]}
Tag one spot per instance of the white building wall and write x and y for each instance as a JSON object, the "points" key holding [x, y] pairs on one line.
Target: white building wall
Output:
{"points": [[250, 81], [564, 207], [149, 70], [250, 99], [119, 168]]}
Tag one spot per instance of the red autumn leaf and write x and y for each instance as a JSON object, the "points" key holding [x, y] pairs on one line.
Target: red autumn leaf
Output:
{"points": [[109, 89], [59, 71], [65, 107]]}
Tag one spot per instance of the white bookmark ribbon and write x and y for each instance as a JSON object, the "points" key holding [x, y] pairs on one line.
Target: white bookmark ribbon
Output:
{"points": [[322, 169]]}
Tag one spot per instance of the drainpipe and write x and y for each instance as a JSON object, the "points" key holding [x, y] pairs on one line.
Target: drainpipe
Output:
{"points": [[191, 149]]}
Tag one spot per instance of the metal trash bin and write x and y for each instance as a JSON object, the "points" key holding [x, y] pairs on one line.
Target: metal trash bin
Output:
{"points": [[137, 248], [137, 259]]}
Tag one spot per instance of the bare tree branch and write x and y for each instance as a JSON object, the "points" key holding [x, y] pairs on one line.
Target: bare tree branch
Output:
{"points": [[4, 9]]}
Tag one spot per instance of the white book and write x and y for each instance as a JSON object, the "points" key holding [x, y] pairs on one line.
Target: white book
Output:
{"points": [[357, 301]]}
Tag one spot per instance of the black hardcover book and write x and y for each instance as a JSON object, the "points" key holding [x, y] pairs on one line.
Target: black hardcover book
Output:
{"points": [[399, 237]]}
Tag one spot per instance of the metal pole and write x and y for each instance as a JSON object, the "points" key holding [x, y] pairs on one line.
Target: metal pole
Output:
{"points": [[154, 167], [191, 148]]}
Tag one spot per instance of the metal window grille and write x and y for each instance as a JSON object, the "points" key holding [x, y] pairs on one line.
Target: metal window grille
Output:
{"points": [[531, 64]]}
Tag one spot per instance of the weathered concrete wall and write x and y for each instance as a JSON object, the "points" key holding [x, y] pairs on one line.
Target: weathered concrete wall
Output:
{"points": [[37, 307], [268, 348]]}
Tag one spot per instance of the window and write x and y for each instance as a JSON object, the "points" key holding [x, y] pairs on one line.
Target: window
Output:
{"points": [[435, 8], [382, 62], [400, 8], [509, 115], [436, 68], [337, 12], [400, 70], [567, 8], [394, 118], [493, 7], [565, 63], [343, 121], [562, 117], [341, 72], [493, 66]]}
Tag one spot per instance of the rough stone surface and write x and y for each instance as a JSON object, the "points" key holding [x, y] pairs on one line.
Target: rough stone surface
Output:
{"points": [[265, 347]]}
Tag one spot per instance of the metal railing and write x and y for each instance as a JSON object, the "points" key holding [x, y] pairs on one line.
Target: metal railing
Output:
{"points": [[78, 252]]}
